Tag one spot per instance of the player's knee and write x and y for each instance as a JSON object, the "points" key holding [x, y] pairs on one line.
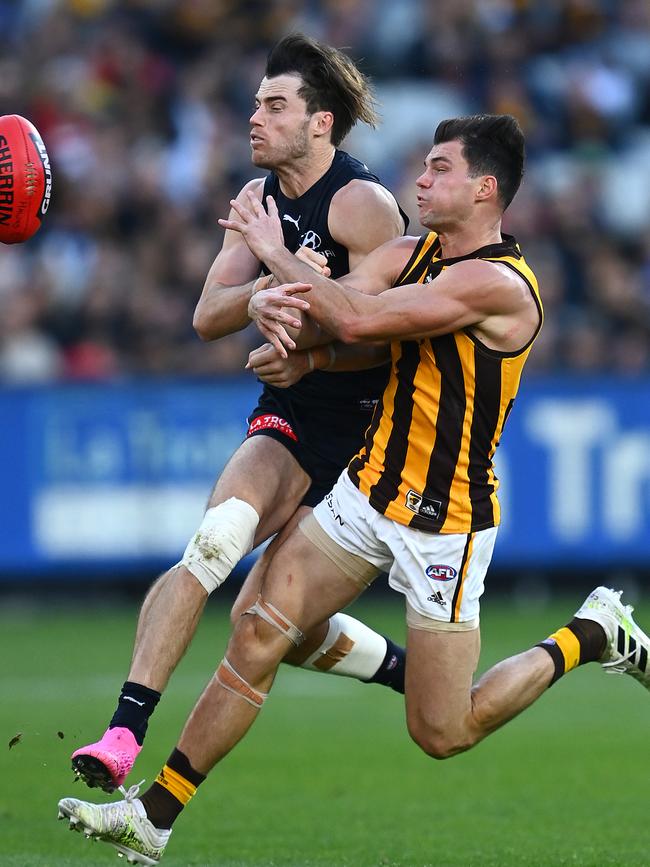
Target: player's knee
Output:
{"points": [[439, 742], [253, 641], [263, 634], [225, 535]]}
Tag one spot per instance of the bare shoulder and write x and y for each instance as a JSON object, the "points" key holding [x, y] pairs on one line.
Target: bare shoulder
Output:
{"points": [[363, 215], [492, 284], [255, 186], [361, 194]]}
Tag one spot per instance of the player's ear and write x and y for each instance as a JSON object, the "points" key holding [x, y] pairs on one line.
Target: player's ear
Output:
{"points": [[487, 188], [322, 122]]}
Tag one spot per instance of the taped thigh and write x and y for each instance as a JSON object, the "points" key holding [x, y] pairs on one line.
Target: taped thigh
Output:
{"points": [[415, 620], [356, 568]]}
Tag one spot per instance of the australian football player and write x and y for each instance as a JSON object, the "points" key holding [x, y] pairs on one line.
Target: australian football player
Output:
{"points": [[334, 211]]}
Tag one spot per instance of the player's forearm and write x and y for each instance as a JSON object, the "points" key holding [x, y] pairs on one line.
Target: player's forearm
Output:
{"points": [[334, 307], [222, 310], [337, 357], [358, 356], [311, 334]]}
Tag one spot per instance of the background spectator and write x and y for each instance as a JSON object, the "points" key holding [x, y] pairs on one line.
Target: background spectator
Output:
{"points": [[144, 106]]}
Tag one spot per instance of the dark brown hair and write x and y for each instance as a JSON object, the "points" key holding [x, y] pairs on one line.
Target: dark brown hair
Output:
{"points": [[493, 144], [330, 81]]}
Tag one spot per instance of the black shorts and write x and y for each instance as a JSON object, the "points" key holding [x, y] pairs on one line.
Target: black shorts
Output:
{"points": [[323, 441]]}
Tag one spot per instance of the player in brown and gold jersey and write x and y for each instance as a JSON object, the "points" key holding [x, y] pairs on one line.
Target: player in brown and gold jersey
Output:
{"points": [[461, 309]]}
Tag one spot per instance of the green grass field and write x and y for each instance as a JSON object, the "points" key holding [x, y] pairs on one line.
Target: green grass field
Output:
{"points": [[328, 776]]}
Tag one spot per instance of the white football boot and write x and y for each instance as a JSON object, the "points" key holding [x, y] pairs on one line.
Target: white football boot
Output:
{"points": [[628, 648], [123, 824]]}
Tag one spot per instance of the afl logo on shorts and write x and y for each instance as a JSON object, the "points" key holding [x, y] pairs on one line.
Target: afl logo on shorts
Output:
{"points": [[441, 573]]}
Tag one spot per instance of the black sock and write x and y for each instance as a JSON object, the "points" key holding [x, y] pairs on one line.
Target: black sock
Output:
{"points": [[166, 797], [391, 671], [134, 707]]}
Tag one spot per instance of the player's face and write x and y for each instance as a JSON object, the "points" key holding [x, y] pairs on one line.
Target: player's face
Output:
{"points": [[446, 193], [280, 123]]}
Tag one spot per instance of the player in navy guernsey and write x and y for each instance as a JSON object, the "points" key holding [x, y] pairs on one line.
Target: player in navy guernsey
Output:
{"points": [[305, 224], [300, 437]]}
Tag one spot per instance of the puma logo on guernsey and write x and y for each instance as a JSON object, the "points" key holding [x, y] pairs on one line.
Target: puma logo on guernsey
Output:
{"points": [[290, 219]]}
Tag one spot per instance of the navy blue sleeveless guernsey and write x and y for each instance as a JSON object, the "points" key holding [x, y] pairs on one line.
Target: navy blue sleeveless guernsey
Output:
{"points": [[305, 224]]}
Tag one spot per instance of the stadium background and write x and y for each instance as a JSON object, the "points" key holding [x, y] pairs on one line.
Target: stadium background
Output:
{"points": [[116, 418], [121, 417]]}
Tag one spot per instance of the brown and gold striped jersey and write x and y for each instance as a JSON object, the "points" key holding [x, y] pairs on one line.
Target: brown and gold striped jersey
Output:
{"points": [[427, 458]]}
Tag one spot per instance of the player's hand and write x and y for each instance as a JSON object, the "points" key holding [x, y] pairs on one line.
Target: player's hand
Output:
{"points": [[315, 260], [261, 230], [267, 309], [269, 366]]}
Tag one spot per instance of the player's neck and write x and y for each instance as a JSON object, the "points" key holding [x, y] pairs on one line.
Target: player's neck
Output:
{"points": [[462, 240], [297, 177]]}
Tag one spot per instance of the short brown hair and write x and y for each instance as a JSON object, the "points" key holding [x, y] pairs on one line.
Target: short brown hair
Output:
{"points": [[493, 144]]}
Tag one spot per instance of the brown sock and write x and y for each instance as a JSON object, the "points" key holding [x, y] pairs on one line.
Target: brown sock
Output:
{"points": [[578, 642], [171, 791]]}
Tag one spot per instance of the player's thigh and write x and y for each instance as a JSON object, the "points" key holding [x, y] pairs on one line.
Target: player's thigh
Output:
{"points": [[440, 667], [305, 584], [265, 474], [251, 587]]}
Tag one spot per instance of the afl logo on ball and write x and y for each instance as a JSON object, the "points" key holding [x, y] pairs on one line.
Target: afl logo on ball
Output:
{"points": [[441, 573]]}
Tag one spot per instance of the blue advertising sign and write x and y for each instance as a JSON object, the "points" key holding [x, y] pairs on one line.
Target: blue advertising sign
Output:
{"points": [[115, 477]]}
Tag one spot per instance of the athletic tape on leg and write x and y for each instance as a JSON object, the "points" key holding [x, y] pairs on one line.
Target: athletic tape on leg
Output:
{"points": [[232, 681], [272, 616], [225, 536]]}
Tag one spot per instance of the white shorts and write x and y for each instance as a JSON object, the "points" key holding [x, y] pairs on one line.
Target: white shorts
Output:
{"points": [[441, 574]]}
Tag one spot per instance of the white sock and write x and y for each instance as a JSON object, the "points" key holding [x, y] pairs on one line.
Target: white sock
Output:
{"points": [[350, 649]]}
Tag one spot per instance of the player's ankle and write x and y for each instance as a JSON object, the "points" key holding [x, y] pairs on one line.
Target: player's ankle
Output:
{"points": [[392, 669], [172, 790], [135, 706], [577, 643]]}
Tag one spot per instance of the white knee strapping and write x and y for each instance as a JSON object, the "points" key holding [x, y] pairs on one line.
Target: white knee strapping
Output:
{"points": [[350, 649], [225, 536]]}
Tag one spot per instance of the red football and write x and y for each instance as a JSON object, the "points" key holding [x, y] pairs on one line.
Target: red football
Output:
{"points": [[25, 179]]}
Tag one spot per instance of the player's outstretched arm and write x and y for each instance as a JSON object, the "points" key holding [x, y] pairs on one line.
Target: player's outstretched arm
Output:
{"points": [[223, 306], [475, 294]]}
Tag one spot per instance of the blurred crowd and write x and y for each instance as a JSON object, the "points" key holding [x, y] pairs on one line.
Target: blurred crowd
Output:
{"points": [[144, 107]]}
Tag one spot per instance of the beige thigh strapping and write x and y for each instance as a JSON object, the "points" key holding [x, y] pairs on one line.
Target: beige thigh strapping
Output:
{"points": [[418, 621], [355, 567]]}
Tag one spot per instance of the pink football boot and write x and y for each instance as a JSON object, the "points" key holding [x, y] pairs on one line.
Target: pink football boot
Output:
{"points": [[107, 762]]}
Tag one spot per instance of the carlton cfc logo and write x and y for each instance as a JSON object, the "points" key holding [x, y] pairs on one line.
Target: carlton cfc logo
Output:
{"points": [[441, 573]]}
